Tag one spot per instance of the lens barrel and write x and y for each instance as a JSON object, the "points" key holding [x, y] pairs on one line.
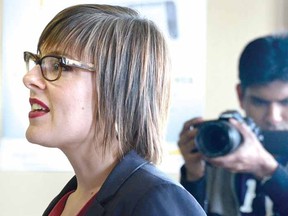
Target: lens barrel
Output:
{"points": [[217, 138]]}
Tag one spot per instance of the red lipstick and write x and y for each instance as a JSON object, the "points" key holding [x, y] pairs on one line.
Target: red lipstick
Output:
{"points": [[38, 108]]}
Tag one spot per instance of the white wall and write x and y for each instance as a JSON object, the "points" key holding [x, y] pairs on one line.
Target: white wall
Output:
{"points": [[29, 193], [1, 21]]}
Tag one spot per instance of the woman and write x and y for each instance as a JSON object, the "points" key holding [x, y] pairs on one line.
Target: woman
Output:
{"points": [[99, 91]]}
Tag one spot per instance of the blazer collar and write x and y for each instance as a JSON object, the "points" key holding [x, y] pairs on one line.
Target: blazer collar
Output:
{"points": [[126, 167], [130, 163]]}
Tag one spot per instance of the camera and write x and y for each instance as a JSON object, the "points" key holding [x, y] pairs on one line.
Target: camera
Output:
{"points": [[219, 137]]}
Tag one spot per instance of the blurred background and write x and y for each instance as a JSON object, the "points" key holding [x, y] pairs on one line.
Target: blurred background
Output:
{"points": [[205, 38]]}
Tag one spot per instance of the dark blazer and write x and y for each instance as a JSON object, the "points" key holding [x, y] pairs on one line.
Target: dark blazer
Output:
{"points": [[136, 187]]}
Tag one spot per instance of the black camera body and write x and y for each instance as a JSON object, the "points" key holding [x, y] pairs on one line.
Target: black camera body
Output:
{"points": [[218, 137]]}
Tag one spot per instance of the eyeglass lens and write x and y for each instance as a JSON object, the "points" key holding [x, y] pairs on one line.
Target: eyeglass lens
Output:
{"points": [[50, 66], [29, 64]]}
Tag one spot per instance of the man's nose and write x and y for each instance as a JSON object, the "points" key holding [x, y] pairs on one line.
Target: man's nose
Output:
{"points": [[274, 113]]}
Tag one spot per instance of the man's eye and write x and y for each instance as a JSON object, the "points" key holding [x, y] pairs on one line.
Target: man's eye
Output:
{"points": [[284, 102], [259, 103]]}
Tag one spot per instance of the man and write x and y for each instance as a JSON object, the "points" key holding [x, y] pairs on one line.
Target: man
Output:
{"points": [[250, 180]]}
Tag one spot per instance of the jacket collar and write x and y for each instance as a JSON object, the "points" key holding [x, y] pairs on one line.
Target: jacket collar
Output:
{"points": [[127, 166], [130, 163]]}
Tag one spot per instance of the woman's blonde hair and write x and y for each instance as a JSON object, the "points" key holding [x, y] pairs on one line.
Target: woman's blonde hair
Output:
{"points": [[131, 79]]}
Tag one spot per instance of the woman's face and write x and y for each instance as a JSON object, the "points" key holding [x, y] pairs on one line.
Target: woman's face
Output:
{"points": [[61, 111]]}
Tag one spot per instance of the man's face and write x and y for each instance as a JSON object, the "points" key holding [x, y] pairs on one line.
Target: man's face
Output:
{"points": [[267, 105]]}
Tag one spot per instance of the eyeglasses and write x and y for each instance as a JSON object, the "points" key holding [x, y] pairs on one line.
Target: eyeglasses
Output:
{"points": [[53, 65]]}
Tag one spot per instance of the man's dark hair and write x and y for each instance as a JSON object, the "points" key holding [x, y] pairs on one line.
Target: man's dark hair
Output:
{"points": [[264, 60]]}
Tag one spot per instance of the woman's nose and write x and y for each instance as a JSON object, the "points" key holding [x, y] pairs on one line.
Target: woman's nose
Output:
{"points": [[34, 80]]}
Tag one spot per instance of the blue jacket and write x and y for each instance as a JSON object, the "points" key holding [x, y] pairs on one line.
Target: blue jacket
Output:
{"points": [[136, 187]]}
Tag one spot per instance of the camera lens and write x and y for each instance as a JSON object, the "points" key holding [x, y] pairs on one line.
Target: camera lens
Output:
{"points": [[217, 138]]}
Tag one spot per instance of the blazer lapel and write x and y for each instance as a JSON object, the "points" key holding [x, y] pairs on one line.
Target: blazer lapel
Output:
{"points": [[123, 170], [126, 167]]}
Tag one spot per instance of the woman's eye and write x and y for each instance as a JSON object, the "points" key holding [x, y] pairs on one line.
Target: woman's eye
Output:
{"points": [[56, 67]]}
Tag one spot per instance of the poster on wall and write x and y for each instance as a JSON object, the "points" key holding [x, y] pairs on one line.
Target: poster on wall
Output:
{"points": [[184, 25]]}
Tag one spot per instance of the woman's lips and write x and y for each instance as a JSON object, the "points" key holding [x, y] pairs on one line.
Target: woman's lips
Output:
{"points": [[38, 108]]}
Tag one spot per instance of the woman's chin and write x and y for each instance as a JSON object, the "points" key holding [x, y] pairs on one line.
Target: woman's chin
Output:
{"points": [[36, 139]]}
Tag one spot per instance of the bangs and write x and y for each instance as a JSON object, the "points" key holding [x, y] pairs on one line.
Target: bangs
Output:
{"points": [[68, 36]]}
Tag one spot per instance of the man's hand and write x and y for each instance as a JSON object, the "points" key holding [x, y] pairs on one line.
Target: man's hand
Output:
{"points": [[250, 157], [194, 162]]}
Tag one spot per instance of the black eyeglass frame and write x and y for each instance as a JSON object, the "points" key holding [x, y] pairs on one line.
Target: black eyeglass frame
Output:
{"points": [[64, 61]]}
